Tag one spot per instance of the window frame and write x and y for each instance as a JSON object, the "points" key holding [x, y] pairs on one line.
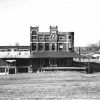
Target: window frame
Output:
{"points": [[61, 37], [48, 46], [34, 46], [40, 45], [54, 47]]}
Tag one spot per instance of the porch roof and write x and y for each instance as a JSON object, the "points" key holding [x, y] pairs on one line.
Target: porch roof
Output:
{"points": [[3, 63], [54, 54]]}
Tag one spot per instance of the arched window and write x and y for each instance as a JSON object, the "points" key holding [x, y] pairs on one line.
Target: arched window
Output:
{"points": [[34, 32], [53, 46]]}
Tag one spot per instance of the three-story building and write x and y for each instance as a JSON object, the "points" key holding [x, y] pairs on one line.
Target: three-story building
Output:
{"points": [[51, 49]]}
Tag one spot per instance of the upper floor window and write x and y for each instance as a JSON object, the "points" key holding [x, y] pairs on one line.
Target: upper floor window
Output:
{"points": [[34, 32], [69, 37], [40, 46], [46, 46], [41, 37], [54, 31], [47, 37], [16, 49], [34, 37], [61, 37]]}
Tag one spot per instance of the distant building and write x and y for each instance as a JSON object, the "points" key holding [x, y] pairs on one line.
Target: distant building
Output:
{"points": [[14, 51], [17, 57]]}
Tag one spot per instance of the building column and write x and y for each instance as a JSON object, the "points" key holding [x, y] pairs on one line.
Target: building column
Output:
{"points": [[8, 69], [5, 70], [15, 70]]}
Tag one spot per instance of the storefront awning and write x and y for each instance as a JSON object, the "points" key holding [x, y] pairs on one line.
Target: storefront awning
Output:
{"points": [[55, 55]]}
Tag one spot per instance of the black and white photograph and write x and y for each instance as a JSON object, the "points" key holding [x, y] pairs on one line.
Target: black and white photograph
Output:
{"points": [[49, 49]]}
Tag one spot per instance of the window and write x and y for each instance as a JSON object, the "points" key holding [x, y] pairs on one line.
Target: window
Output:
{"points": [[70, 46], [70, 49], [61, 37], [53, 31], [60, 47], [69, 37], [46, 46], [16, 50], [40, 46], [53, 46], [34, 47], [41, 37], [2, 70], [34, 32], [8, 49], [47, 37], [34, 37]]}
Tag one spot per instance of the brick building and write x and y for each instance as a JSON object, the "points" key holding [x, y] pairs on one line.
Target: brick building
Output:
{"points": [[47, 50], [51, 49]]}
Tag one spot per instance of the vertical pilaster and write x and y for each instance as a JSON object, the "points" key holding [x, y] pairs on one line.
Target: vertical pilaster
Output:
{"points": [[15, 70]]}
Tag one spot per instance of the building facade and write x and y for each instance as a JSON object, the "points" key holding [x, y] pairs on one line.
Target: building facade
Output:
{"points": [[14, 51], [14, 59], [47, 50], [51, 49], [51, 41]]}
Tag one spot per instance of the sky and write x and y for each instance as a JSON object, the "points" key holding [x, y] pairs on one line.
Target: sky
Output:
{"points": [[79, 16]]}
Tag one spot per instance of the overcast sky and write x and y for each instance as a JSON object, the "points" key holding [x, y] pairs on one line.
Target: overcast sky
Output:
{"points": [[80, 16]]}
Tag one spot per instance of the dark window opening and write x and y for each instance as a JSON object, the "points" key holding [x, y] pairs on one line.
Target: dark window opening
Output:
{"points": [[40, 46], [34, 32], [2, 70], [12, 71], [53, 46], [34, 47], [47, 37], [61, 37], [47, 47], [69, 37], [9, 49], [34, 37], [70, 49]]}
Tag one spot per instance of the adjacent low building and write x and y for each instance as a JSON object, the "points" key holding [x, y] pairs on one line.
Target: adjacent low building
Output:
{"points": [[4, 67], [17, 57]]}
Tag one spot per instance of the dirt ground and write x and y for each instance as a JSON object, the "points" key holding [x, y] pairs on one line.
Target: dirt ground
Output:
{"points": [[50, 86]]}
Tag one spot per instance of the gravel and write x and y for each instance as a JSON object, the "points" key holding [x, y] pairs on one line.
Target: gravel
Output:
{"points": [[50, 86]]}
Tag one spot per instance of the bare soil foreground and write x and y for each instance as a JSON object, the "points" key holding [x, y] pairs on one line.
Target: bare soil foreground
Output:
{"points": [[50, 86]]}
